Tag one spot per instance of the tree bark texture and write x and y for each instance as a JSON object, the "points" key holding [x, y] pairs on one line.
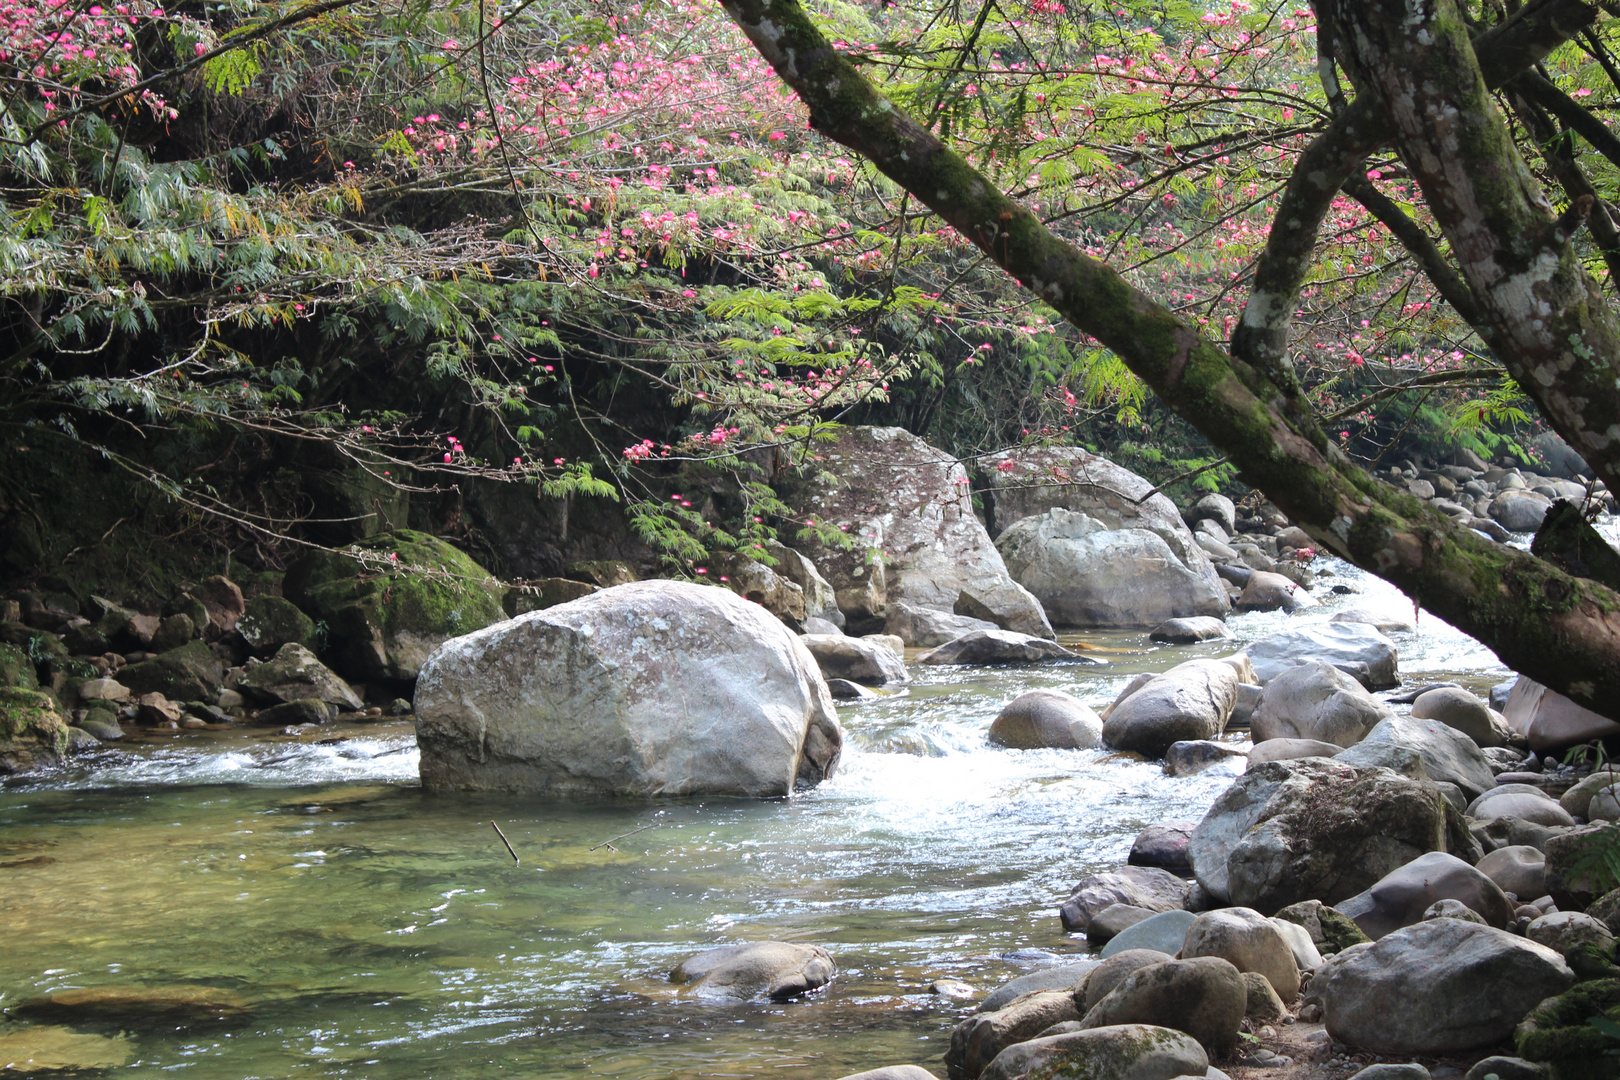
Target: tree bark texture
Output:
{"points": [[1562, 630]]}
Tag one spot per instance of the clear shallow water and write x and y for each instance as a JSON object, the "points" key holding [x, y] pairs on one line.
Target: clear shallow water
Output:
{"points": [[382, 932]]}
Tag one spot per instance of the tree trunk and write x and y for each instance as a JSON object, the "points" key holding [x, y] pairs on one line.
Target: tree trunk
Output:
{"points": [[1562, 630]]}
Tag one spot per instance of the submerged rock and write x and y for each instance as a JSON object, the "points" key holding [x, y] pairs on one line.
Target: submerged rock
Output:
{"points": [[136, 1005], [47, 1049], [581, 699], [756, 971], [1190, 630]]}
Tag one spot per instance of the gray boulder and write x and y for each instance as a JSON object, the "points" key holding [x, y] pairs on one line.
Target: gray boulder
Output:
{"points": [[858, 660], [1006, 604], [1287, 831], [757, 971], [1214, 507], [1519, 511], [1290, 750], [1266, 591], [1000, 647], [1046, 718], [1164, 846], [296, 674], [926, 627], [1164, 932], [1203, 996], [1062, 977], [1190, 701], [1357, 649], [1578, 799], [1565, 931], [1088, 575], [1457, 708], [1111, 972], [1550, 721], [1316, 701], [1385, 622], [1190, 630], [1140, 886], [1447, 754], [1401, 897], [1523, 801], [977, 1040], [1248, 941], [1121, 1052], [820, 601], [1518, 869], [577, 700], [1190, 757], [1442, 986], [1112, 921]]}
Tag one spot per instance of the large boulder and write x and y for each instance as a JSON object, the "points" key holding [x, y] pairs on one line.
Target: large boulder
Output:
{"points": [[856, 659], [1248, 941], [1519, 511], [1046, 718], [390, 600], [191, 672], [1000, 647], [295, 674], [651, 688], [1357, 649], [977, 1040], [1447, 754], [753, 580], [907, 504], [1266, 591], [1454, 706], [33, 733], [1550, 721], [1526, 802], [269, 622], [1139, 886], [756, 971], [1087, 574], [1401, 896], [1005, 603], [1202, 996], [820, 602], [1190, 701], [1441, 986], [1119, 1052], [1518, 869], [1316, 701], [925, 628], [1315, 828]]}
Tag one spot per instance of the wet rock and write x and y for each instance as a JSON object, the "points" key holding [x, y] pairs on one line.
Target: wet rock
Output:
{"points": [[1272, 592], [856, 659], [1400, 897], [1190, 701], [953, 988], [1443, 986], [46, 1049], [296, 712], [1447, 754], [1164, 932], [1316, 701], [389, 601], [844, 690], [1061, 977], [1122, 1052], [1140, 886], [1000, 647], [756, 971], [1290, 750], [295, 674], [575, 700], [1164, 846], [1203, 997], [136, 1006], [977, 1040], [1188, 758], [1385, 622], [269, 622], [1565, 931], [1113, 920], [1518, 869], [1550, 721], [1287, 831], [1526, 802], [1463, 711], [1190, 630], [927, 627], [1086, 574], [1357, 649], [191, 672], [1046, 718], [1249, 942]]}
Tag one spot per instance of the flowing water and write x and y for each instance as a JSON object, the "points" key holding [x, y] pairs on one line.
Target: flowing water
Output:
{"points": [[381, 932]]}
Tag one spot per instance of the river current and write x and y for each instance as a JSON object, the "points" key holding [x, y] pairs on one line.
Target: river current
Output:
{"points": [[381, 932]]}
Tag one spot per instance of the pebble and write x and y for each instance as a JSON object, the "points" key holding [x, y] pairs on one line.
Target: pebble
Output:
{"points": [[952, 988]]}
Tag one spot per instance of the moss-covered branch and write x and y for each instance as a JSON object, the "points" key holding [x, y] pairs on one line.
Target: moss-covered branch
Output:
{"points": [[1560, 629]]}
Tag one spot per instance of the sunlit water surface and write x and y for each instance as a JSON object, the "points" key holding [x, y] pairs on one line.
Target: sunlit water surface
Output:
{"points": [[382, 932]]}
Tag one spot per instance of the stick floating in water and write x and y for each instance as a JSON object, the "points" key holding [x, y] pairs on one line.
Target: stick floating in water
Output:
{"points": [[609, 843], [508, 843]]}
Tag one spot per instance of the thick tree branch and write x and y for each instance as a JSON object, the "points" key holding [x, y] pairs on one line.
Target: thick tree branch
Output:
{"points": [[1561, 630]]}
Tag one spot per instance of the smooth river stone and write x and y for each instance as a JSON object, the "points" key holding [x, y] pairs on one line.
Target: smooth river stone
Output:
{"points": [[1164, 933]]}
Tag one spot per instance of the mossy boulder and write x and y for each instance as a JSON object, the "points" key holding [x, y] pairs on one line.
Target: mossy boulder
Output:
{"points": [[16, 670], [33, 733], [1556, 1032], [45, 650], [189, 673], [273, 621], [388, 602]]}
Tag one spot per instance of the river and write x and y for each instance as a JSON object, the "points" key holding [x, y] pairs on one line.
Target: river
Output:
{"points": [[381, 932]]}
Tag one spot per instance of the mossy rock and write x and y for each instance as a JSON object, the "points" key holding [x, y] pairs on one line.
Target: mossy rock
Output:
{"points": [[1557, 1032], [190, 673], [273, 621], [32, 731], [384, 615], [44, 649], [16, 670]]}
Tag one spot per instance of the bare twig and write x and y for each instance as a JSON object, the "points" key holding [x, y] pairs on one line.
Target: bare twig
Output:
{"points": [[508, 843], [608, 843]]}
